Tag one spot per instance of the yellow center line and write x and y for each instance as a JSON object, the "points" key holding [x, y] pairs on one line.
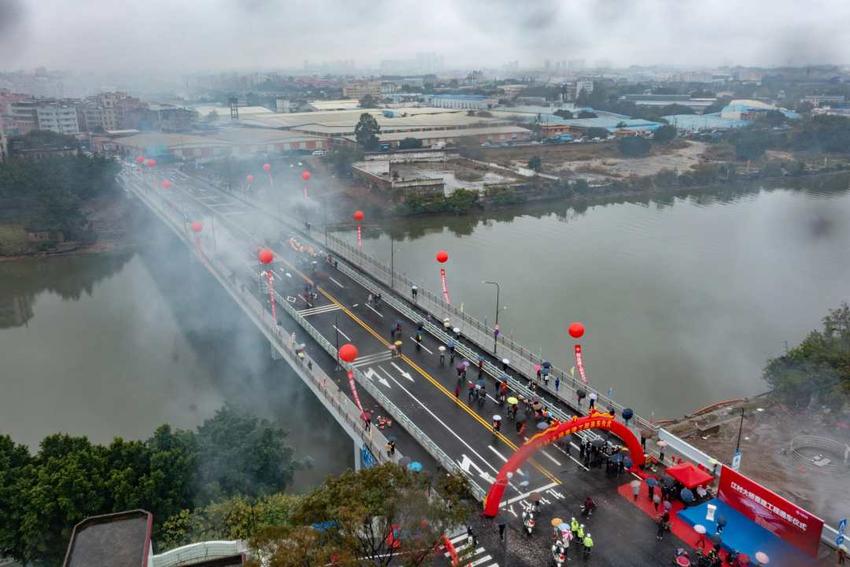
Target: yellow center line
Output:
{"points": [[437, 385]]}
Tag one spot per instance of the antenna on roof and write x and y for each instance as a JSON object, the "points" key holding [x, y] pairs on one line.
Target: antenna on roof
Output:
{"points": [[234, 108]]}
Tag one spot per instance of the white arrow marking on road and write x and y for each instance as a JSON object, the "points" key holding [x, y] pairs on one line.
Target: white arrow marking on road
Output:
{"points": [[371, 374], [403, 373], [466, 463]]}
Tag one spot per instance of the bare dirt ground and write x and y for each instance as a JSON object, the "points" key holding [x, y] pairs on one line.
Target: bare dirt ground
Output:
{"points": [[601, 161], [767, 458]]}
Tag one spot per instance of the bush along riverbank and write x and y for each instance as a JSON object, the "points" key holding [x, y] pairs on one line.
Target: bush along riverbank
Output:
{"points": [[705, 176]]}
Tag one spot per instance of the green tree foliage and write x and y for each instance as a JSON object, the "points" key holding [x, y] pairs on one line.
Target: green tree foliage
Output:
{"points": [[49, 193], [44, 495], [633, 146], [587, 114], [664, 134], [565, 114], [342, 156], [535, 163], [43, 139], [380, 512], [823, 133], [241, 454], [366, 132], [818, 369], [368, 101], [772, 118], [410, 144], [592, 133], [751, 144]]}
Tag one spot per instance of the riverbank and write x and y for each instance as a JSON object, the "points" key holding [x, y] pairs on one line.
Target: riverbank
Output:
{"points": [[781, 448]]}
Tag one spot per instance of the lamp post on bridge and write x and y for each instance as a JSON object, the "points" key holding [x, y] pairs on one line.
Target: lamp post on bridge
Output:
{"points": [[496, 327]]}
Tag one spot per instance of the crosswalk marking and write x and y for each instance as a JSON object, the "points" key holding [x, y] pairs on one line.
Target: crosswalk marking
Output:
{"points": [[370, 359], [474, 558], [317, 310]]}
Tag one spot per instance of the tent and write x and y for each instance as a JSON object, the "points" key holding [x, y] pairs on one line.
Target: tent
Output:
{"points": [[688, 475]]}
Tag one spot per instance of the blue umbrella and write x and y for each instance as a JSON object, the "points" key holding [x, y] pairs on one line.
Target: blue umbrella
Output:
{"points": [[415, 466], [543, 425], [546, 364], [687, 495], [651, 482]]}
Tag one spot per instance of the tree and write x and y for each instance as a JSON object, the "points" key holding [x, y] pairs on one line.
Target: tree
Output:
{"points": [[634, 146], [368, 101], [587, 114], [773, 118], [15, 463], [593, 133], [750, 145], [410, 144], [366, 132], [565, 114], [241, 454], [664, 134], [535, 163], [343, 156], [818, 369]]}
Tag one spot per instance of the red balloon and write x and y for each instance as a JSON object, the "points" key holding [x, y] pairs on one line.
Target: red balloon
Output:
{"points": [[151, 162], [442, 256], [348, 352], [265, 256], [250, 178], [306, 175], [166, 184], [140, 159], [267, 167], [197, 226], [576, 330], [358, 216]]}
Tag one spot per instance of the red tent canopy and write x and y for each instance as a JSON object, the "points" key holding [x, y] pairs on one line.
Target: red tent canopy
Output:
{"points": [[688, 475]]}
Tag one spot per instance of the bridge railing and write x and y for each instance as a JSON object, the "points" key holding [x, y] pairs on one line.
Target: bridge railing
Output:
{"points": [[197, 552], [305, 366]]}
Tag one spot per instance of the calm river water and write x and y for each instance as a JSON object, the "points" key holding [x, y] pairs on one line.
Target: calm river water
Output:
{"points": [[115, 345], [684, 299]]}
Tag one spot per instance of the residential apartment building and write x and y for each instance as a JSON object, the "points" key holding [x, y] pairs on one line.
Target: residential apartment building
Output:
{"points": [[44, 114], [359, 89]]}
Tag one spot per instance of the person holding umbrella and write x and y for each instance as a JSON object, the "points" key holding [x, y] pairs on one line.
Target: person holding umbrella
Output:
{"points": [[497, 423]]}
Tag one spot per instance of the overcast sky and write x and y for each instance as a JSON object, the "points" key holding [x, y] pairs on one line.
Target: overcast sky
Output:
{"points": [[196, 35]]}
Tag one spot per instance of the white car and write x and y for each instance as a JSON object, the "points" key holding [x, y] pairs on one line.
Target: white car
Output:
{"points": [[319, 153]]}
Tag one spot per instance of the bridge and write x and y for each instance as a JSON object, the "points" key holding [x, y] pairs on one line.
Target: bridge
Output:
{"points": [[321, 285]]}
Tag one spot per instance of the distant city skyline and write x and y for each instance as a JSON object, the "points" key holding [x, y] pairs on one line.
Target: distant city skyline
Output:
{"points": [[219, 35]]}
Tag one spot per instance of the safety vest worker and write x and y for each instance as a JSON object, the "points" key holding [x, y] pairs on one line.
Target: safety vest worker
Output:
{"points": [[574, 525], [580, 533], [588, 541]]}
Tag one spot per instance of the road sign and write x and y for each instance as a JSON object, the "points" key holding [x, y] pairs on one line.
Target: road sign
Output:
{"points": [[736, 461], [842, 531]]}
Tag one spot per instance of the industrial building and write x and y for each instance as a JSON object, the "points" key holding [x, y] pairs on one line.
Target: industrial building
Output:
{"points": [[359, 89], [491, 134], [226, 142], [461, 102], [662, 100]]}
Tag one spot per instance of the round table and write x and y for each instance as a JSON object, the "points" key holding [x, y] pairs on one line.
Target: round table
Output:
{"points": [[700, 529], [683, 561]]}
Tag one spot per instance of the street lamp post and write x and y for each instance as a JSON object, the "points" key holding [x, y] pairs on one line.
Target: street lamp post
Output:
{"points": [[496, 327]]}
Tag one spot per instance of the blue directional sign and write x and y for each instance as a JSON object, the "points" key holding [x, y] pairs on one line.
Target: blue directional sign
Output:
{"points": [[842, 531], [367, 458]]}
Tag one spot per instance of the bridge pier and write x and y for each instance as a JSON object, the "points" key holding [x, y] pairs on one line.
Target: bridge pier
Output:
{"points": [[358, 462], [275, 353]]}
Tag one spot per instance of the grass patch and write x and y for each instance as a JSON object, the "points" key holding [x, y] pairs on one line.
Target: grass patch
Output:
{"points": [[13, 240]]}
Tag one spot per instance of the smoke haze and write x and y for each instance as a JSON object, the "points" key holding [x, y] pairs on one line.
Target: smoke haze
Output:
{"points": [[95, 35]]}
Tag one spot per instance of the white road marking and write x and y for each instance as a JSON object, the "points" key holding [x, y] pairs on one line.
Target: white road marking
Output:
{"points": [[527, 494], [403, 373], [382, 356], [413, 340], [550, 457], [373, 309], [370, 374], [480, 561], [341, 333], [504, 459], [336, 282]]}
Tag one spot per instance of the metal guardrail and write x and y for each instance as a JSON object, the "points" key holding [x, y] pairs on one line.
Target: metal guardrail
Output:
{"points": [[196, 552], [313, 372]]}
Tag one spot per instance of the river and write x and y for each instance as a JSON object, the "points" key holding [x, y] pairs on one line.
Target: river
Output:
{"points": [[115, 345], [683, 298]]}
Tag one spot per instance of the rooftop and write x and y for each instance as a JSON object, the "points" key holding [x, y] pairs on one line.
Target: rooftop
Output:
{"points": [[116, 540], [451, 133]]}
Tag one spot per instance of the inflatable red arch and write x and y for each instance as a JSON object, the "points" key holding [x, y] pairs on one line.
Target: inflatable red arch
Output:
{"points": [[558, 430]]}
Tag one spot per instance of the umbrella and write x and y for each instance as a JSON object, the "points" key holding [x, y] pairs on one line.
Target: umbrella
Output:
{"points": [[635, 482], [441, 348], [721, 521], [404, 461], [415, 466], [547, 364], [662, 444], [598, 442], [397, 343], [557, 522], [537, 368], [459, 366], [543, 425], [465, 364], [534, 497], [651, 482], [762, 557], [513, 401], [456, 330], [667, 480], [537, 405], [497, 417], [524, 483], [391, 439], [716, 539], [687, 495], [564, 527]]}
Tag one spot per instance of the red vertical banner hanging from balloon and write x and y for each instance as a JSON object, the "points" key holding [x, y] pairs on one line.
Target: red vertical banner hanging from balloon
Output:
{"points": [[305, 175], [353, 387], [267, 167], [445, 286], [270, 277], [348, 353], [359, 216], [580, 364]]}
